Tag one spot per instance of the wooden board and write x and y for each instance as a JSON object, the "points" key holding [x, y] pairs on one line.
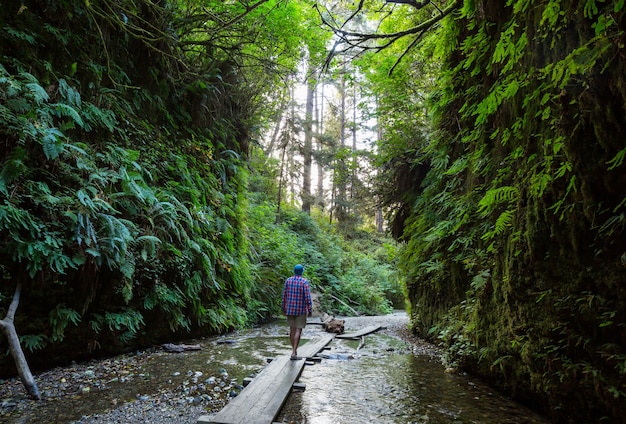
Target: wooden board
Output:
{"points": [[261, 400], [312, 347], [359, 333]]}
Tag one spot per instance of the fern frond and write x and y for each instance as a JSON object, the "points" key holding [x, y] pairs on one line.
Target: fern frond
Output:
{"points": [[496, 196], [52, 143], [504, 221], [481, 279], [71, 96], [62, 110], [617, 160], [96, 117], [33, 342], [149, 246], [38, 93], [14, 166]]}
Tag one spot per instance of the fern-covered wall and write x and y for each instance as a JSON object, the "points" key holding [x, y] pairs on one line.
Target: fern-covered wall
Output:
{"points": [[121, 179], [515, 254]]}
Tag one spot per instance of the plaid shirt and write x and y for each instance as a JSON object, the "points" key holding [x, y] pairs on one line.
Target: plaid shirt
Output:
{"points": [[297, 296]]}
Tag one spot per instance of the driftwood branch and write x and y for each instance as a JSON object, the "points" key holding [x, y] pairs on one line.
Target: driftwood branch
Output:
{"points": [[7, 326], [355, 312], [362, 343], [345, 304]]}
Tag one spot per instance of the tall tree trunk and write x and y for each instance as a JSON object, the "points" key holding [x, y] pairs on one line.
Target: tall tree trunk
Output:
{"points": [[286, 135], [340, 168], [279, 121], [8, 328], [354, 161], [320, 166], [307, 151], [281, 182], [291, 172], [379, 210], [293, 175]]}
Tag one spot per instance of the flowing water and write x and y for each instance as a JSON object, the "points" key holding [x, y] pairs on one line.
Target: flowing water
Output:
{"points": [[389, 385], [382, 381]]}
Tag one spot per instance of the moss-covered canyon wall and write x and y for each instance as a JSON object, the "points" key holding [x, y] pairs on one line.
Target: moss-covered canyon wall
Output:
{"points": [[516, 252], [121, 178]]}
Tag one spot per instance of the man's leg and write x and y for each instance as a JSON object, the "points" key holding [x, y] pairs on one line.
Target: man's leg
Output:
{"points": [[294, 338], [297, 339]]}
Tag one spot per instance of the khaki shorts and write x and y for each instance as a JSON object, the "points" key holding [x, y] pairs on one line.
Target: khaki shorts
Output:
{"points": [[298, 321]]}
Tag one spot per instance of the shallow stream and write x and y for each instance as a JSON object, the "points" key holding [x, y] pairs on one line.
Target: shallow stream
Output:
{"points": [[384, 380]]}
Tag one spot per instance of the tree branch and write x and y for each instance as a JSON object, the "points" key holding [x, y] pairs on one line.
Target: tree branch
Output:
{"points": [[417, 5], [14, 303], [354, 40]]}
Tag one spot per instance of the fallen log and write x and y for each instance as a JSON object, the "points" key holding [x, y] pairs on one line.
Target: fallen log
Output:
{"points": [[177, 348], [354, 311]]}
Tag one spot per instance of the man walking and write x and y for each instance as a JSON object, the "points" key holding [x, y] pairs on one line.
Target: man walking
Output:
{"points": [[296, 305]]}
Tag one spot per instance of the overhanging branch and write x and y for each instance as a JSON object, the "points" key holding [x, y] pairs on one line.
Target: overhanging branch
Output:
{"points": [[377, 41]]}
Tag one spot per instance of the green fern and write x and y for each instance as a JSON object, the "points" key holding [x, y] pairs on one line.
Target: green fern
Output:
{"points": [[617, 160], [52, 140], [481, 279], [20, 35], [128, 320], [38, 93], [33, 342], [62, 110], [60, 317], [494, 197]]}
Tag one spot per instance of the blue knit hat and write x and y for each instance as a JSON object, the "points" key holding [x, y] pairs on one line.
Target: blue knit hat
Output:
{"points": [[298, 269]]}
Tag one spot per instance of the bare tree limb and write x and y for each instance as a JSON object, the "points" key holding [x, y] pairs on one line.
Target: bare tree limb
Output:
{"points": [[364, 41], [416, 4], [223, 25], [14, 303], [356, 12], [8, 328]]}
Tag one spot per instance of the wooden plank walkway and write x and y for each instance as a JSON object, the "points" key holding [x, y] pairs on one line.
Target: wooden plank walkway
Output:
{"points": [[261, 400], [312, 347], [361, 332]]}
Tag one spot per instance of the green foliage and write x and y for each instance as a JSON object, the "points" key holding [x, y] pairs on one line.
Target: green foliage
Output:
{"points": [[60, 318], [110, 217], [33, 342], [358, 272]]}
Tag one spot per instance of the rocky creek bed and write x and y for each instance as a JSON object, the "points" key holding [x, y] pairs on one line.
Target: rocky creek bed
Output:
{"points": [[122, 389]]}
